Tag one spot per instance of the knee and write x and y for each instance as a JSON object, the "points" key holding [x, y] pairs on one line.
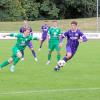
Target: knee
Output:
{"points": [[10, 60], [69, 55], [19, 54], [31, 49]]}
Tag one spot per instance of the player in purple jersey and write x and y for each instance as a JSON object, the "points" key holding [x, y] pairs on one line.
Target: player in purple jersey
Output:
{"points": [[73, 38], [44, 30], [29, 44]]}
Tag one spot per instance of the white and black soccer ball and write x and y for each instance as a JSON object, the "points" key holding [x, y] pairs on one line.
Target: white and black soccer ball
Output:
{"points": [[61, 63]]}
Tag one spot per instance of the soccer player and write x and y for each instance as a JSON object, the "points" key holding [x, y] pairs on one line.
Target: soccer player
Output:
{"points": [[29, 44], [22, 40], [44, 30], [53, 41], [73, 38]]}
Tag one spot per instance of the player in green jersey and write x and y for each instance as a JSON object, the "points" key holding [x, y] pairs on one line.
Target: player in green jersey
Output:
{"points": [[22, 40], [53, 41]]}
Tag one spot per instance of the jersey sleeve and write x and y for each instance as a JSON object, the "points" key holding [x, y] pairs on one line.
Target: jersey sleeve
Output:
{"points": [[63, 35], [15, 35], [83, 36]]}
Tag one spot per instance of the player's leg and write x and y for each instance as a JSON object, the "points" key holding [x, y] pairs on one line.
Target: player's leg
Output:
{"points": [[68, 56], [41, 43], [17, 57], [32, 50], [58, 51], [22, 55], [6, 62], [51, 48]]}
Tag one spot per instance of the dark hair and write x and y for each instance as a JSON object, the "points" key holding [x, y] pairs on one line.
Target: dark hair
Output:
{"points": [[28, 28], [74, 22]]}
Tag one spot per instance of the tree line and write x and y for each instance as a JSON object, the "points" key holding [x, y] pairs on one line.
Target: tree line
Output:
{"points": [[14, 10]]}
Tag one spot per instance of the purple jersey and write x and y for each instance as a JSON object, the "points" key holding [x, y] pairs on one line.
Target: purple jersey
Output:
{"points": [[44, 30], [72, 38]]}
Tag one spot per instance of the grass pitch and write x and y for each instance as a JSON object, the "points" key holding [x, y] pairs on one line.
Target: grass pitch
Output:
{"points": [[78, 80]]}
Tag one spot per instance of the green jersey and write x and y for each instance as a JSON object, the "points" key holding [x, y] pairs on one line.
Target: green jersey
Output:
{"points": [[21, 40], [54, 34]]}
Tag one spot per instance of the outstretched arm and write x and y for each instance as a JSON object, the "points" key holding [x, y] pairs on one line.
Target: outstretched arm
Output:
{"points": [[11, 35]]}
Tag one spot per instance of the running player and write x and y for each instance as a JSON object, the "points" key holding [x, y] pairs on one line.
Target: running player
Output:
{"points": [[73, 38], [44, 30], [22, 40]]}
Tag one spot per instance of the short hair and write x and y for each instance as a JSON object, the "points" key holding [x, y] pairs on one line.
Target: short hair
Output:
{"points": [[28, 28], [74, 22]]}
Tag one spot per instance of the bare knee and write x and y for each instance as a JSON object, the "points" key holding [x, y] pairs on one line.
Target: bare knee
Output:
{"points": [[10, 60], [19, 54], [69, 55], [31, 49]]}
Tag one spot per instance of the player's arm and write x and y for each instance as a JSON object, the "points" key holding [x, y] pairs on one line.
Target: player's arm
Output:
{"points": [[63, 35], [83, 37], [11, 35]]}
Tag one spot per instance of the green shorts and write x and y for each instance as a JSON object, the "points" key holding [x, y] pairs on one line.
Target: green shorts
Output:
{"points": [[53, 46], [15, 50]]}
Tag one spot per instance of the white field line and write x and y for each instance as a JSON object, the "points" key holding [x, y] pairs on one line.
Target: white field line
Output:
{"points": [[50, 91]]}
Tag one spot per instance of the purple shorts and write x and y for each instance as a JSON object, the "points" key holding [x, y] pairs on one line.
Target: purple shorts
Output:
{"points": [[29, 44], [71, 50], [43, 38]]}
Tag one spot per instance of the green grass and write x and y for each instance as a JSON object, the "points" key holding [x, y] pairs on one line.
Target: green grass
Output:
{"points": [[85, 24], [37, 81], [78, 80]]}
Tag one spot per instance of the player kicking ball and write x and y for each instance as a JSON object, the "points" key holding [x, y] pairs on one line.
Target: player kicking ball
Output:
{"points": [[73, 38], [22, 40]]}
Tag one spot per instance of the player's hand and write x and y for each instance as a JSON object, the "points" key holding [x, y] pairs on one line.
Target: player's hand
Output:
{"points": [[80, 40], [60, 45]]}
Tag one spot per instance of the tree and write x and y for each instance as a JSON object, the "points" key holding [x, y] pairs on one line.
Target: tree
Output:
{"points": [[10, 10], [31, 9], [48, 9]]}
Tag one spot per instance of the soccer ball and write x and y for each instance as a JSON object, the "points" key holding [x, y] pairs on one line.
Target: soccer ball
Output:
{"points": [[61, 63]]}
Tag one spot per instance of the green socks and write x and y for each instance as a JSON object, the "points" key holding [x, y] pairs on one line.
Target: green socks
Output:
{"points": [[5, 63], [58, 57], [49, 56]]}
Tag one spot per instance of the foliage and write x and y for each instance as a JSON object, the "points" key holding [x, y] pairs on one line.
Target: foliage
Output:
{"points": [[46, 9]]}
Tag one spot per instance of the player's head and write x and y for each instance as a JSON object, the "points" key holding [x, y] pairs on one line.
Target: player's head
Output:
{"points": [[55, 23], [74, 25], [27, 31]]}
